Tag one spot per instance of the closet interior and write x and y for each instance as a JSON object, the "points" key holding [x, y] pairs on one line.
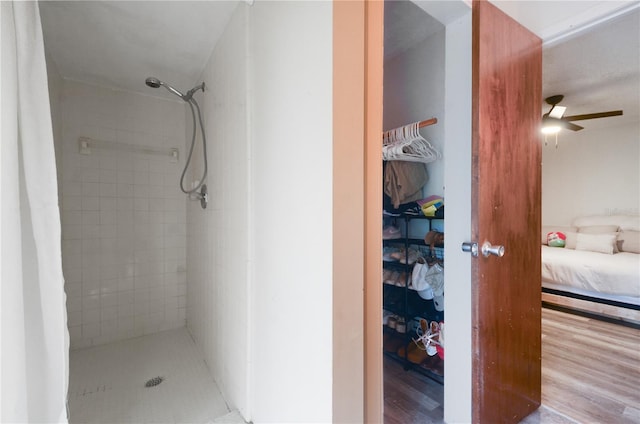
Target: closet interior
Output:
{"points": [[414, 219]]}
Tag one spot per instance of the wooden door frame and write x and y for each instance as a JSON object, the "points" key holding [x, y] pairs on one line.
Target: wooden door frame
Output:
{"points": [[357, 211], [374, 62]]}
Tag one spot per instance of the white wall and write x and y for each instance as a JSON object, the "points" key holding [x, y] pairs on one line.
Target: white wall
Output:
{"points": [[123, 216], [414, 91], [259, 256], [218, 236], [291, 209], [591, 172], [457, 176]]}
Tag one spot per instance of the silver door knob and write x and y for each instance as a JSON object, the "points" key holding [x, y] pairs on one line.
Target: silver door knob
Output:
{"points": [[470, 247], [487, 249]]}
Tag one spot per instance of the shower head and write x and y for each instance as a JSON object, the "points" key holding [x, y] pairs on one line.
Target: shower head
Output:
{"points": [[154, 82]]}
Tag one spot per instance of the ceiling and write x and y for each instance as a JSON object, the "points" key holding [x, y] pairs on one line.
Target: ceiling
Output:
{"points": [[405, 26], [120, 43]]}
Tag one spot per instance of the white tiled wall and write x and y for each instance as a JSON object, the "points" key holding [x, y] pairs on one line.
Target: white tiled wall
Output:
{"points": [[218, 237], [123, 216]]}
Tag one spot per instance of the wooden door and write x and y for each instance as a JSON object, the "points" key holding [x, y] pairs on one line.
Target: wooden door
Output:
{"points": [[506, 184]]}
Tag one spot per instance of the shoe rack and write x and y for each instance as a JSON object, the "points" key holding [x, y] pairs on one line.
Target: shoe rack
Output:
{"points": [[404, 307]]}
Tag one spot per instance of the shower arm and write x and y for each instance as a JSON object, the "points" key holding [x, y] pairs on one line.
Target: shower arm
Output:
{"points": [[187, 97]]}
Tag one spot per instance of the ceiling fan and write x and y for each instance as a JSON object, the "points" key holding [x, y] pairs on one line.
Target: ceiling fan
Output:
{"points": [[553, 121]]}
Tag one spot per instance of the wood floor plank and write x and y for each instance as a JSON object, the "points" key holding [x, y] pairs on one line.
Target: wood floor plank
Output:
{"points": [[590, 368], [410, 397]]}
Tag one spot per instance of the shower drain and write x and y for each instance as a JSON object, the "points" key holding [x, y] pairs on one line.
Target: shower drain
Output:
{"points": [[154, 381]]}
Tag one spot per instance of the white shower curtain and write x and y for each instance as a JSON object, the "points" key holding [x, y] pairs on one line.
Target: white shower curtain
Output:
{"points": [[35, 344]]}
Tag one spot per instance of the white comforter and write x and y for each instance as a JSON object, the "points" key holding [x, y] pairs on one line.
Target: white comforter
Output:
{"points": [[617, 274]]}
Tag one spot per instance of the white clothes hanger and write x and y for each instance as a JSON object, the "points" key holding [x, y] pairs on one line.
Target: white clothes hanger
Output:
{"points": [[407, 144]]}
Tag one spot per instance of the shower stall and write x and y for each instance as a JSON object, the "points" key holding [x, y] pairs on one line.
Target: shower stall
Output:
{"points": [[133, 168], [124, 246]]}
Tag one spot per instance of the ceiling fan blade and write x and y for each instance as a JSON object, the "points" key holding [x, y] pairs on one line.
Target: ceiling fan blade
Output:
{"points": [[593, 115], [562, 123], [572, 127]]}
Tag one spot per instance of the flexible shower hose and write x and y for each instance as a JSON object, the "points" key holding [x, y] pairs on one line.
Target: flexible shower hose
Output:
{"points": [[192, 102]]}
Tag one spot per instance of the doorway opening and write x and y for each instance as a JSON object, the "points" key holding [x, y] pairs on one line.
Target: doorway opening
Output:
{"points": [[413, 315]]}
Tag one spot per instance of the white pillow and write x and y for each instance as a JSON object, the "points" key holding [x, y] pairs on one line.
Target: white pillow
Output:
{"points": [[625, 222], [602, 243], [571, 241], [629, 241], [601, 229], [598, 229], [630, 223]]}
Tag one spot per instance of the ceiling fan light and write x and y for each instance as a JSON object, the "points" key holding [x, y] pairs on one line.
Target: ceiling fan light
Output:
{"points": [[551, 129]]}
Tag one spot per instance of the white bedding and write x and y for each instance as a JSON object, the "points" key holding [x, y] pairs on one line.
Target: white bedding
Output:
{"points": [[617, 274]]}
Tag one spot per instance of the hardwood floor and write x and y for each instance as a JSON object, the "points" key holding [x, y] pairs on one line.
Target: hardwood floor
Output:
{"points": [[590, 368], [590, 374], [410, 397]]}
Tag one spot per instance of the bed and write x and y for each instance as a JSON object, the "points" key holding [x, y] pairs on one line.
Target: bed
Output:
{"points": [[600, 261]]}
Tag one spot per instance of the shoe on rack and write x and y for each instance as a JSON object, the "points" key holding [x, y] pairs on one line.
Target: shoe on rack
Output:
{"points": [[427, 337], [414, 211], [411, 257], [388, 253], [392, 322], [395, 277], [391, 342], [390, 277], [401, 281], [414, 354], [391, 232], [397, 254], [386, 273]]}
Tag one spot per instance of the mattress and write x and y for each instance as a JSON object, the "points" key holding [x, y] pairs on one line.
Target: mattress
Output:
{"points": [[592, 272]]}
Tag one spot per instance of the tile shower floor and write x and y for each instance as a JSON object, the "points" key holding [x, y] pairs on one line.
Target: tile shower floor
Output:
{"points": [[107, 383]]}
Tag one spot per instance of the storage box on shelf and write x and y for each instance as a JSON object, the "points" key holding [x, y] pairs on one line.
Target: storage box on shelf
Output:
{"points": [[404, 307]]}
